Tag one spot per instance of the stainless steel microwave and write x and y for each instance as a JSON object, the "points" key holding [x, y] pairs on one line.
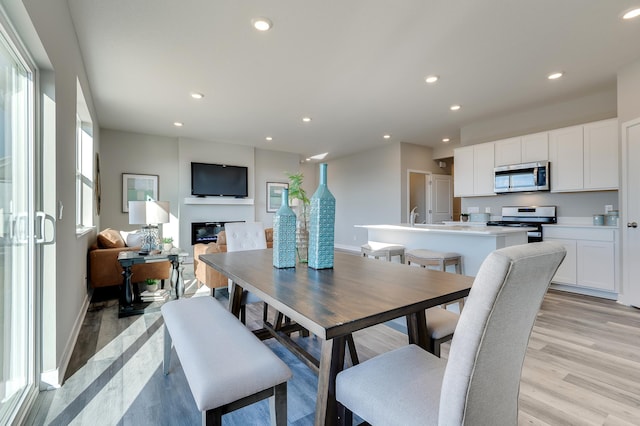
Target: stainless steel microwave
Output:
{"points": [[524, 177]]}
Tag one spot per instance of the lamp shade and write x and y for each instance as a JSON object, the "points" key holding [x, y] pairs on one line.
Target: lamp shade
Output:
{"points": [[148, 212]]}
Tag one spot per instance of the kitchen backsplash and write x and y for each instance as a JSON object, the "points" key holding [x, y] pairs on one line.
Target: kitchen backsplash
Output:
{"points": [[570, 204]]}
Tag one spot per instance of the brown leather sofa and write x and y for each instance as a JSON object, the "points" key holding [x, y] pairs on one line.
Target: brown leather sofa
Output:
{"points": [[105, 270], [207, 275]]}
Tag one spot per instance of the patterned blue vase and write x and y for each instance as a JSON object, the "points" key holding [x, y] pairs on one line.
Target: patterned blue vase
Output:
{"points": [[322, 218], [284, 234]]}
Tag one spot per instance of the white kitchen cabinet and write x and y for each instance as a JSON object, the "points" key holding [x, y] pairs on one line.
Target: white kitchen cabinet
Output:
{"points": [[508, 151], [591, 256], [567, 272], [596, 264], [585, 157], [535, 147], [601, 155], [566, 151], [522, 149], [473, 174]]}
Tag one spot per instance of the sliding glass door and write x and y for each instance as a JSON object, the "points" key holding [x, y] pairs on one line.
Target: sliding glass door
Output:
{"points": [[17, 219]]}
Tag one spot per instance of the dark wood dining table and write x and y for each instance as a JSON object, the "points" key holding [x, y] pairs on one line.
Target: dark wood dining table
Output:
{"points": [[333, 303]]}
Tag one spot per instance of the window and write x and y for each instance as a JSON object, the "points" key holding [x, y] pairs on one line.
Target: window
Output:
{"points": [[84, 166]]}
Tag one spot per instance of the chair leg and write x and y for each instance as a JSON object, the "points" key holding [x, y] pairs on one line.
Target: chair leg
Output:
{"points": [[243, 314], [352, 350], [167, 351], [345, 416], [278, 405], [212, 417]]}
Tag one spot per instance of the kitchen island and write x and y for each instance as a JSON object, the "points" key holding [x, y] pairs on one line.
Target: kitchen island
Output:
{"points": [[473, 243]]}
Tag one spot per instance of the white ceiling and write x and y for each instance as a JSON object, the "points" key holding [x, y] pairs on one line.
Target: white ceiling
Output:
{"points": [[356, 67]]}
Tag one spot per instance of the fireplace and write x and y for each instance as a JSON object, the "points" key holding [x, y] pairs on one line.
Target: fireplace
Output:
{"points": [[207, 232]]}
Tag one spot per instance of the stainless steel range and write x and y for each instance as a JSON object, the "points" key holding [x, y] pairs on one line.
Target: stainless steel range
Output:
{"points": [[532, 216]]}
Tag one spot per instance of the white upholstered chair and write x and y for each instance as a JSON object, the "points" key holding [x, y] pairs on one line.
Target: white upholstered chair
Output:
{"points": [[242, 236], [479, 383]]}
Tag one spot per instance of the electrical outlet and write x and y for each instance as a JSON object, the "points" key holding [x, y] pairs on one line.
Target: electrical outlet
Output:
{"points": [[607, 208], [487, 210]]}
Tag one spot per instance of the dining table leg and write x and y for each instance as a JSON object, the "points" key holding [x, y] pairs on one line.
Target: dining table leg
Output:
{"points": [[331, 363], [417, 330]]}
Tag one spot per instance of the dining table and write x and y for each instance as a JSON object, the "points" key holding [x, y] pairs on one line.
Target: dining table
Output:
{"points": [[334, 303]]}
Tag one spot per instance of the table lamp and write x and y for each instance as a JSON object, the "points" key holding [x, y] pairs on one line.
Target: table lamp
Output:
{"points": [[149, 214]]}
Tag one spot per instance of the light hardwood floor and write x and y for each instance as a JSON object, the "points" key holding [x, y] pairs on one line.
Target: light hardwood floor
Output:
{"points": [[582, 368]]}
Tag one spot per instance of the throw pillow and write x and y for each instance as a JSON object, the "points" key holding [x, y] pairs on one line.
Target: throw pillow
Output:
{"points": [[110, 238], [133, 238]]}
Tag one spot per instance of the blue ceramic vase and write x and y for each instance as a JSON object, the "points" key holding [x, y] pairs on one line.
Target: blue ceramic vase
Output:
{"points": [[284, 234], [322, 218]]}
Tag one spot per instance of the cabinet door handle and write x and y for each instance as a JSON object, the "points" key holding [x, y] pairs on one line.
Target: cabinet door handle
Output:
{"points": [[632, 225]]}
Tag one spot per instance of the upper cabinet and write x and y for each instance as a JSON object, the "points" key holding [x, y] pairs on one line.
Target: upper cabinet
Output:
{"points": [[522, 149], [582, 158], [473, 174], [585, 157]]}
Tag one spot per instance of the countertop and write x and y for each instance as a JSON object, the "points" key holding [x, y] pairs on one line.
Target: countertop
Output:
{"points": [[477, 230]]}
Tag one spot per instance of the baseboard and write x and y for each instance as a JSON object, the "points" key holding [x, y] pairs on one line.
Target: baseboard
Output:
{"points": [[53, 379], [346, 248], [586, 291]]}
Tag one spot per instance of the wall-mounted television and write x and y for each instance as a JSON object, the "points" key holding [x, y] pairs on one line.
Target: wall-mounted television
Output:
{"points": [[218, 180]]}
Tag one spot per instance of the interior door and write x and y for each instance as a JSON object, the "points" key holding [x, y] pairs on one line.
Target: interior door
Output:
{"points": [[630, 227], [441, 195]]}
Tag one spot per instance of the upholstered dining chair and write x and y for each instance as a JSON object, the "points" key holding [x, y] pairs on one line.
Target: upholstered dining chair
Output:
{"points": [[480, 382], [242, 236]]}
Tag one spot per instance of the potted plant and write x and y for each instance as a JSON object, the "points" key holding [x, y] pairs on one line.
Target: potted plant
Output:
{"points": [[300, 201], [464, 217], [152, 284], [167, 244]]}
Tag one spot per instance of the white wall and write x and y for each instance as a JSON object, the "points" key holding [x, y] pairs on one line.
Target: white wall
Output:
{"points": [[629, 92], [367, 187], [271, 166], [125, 152]]}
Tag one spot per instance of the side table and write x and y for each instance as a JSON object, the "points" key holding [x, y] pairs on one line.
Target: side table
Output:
{"points": [[130, 305]]}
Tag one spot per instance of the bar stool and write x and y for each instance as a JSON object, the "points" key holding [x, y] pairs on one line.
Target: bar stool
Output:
{"points": [[426, 258], [386, 250]]}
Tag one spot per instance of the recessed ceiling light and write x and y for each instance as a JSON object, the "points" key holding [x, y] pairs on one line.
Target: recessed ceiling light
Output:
{"points": [[431, 79], [269, 138], [455, 107], [446, 140], [261, 24], [196, 95], [306, 119], [555, 75], [387, 136], [631, 14], [178, 124]]}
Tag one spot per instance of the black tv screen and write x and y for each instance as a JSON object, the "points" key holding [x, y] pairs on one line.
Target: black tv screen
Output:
{"points": [[218, 180]]}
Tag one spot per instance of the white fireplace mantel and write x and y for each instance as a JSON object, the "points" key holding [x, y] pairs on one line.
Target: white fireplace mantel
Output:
{"points": [[219, 200]]}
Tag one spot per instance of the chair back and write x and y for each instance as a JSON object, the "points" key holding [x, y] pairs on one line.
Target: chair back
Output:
{"points": [[243, 236], [482, 377]]}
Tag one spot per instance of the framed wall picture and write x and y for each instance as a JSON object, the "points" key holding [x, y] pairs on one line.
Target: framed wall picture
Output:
{"points": [[274, 195], [138, 188]]}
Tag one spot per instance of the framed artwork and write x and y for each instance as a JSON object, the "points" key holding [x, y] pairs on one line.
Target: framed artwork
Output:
{"points": [[138, 188], [274, 195]]}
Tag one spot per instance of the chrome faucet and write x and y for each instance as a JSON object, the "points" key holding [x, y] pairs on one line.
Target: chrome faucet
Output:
{"points": [[413, 216]]}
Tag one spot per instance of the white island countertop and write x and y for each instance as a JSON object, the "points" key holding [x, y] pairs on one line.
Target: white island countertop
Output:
{"points": [[472, 242], [479, 230]]}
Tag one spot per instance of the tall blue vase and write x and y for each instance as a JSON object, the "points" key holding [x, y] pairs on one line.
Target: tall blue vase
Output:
{"points": [[322, 217], [284, 234]]}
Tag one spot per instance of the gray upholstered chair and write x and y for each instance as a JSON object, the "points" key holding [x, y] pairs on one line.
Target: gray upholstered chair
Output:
{"points": [[479, 383], [242, 236]]}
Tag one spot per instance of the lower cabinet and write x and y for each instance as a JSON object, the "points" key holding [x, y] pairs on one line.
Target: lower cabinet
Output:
{"points": [[591, 256]]}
